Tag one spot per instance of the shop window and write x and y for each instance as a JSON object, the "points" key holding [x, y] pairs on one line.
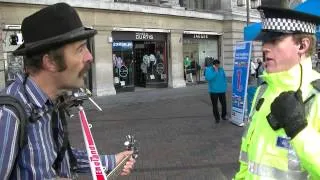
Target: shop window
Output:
{"points": [[200, 52], [123, 64]]}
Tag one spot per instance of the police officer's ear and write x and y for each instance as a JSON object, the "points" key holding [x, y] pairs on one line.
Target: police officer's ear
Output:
{"points": [[304, 46]]}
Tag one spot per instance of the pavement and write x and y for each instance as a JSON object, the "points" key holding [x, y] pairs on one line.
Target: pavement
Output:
{"points": [[175, 131]]}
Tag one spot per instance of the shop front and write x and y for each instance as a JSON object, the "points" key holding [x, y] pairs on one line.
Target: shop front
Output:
{"points": [[139, 60], [200, 49]]}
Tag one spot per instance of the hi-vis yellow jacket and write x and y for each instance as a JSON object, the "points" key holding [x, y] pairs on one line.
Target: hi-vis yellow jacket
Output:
{"points": [[267, 154]]}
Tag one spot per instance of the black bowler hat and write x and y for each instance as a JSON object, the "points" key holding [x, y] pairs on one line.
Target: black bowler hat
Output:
{"points": [[52, 27], [279, 21]]}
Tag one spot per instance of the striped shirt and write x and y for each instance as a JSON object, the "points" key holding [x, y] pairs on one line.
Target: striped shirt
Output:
{"points": [[36, 158]]}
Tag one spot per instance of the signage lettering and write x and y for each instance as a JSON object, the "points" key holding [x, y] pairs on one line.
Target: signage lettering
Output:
{"points": [[144, 36], [95, 159], [200, 36], [122, 44]]}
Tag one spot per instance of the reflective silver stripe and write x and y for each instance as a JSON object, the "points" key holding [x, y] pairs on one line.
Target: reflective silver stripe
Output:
{"points": [[293, 160], [271, 172], [243, 156]]}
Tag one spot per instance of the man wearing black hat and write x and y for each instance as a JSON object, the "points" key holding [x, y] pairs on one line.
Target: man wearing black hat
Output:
{"points": [[55, 58], [281, 140]]}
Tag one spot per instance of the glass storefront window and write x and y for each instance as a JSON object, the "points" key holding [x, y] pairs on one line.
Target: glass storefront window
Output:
{"points": [[123, 65], [199, 49]]}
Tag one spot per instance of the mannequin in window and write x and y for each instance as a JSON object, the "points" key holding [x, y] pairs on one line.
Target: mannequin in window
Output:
{"points": [[187, 69], [153, 62]]}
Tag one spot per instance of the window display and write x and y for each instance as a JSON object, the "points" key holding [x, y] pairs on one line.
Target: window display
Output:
{"points": [[152, 71], [200, 49], [122, 65]]}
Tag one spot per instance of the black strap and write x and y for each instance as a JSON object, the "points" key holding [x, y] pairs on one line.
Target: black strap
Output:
{"points": [[316, 84], [18, 109], [65, 143]]}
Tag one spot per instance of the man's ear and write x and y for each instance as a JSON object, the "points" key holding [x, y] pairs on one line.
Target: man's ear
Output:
{"points": [[49, 64]]}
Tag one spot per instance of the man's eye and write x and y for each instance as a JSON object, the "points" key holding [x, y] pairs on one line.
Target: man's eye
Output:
{"points": [[81, 49]]}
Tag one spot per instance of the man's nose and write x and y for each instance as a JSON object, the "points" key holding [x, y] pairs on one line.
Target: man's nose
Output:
{"points": [[88, 56]]}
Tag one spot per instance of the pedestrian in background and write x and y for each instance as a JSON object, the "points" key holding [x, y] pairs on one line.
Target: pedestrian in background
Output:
{"points": [[281, 140], [217, 87], [56, 58], [259, 71], [253, 67]]}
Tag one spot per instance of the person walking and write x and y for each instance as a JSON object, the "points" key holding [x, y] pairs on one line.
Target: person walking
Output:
{"points": [[259, 71], [217, 86], [56, 58], [280, 139]]}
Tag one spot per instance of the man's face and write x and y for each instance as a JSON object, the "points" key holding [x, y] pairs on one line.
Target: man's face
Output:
{"points": [[78, 59], [280, 54]]}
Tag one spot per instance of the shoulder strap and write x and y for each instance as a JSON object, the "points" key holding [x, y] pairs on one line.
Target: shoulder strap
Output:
{"points": [[316, 84], [65, 143], [260, 91], [18, 109], [316, 89]]}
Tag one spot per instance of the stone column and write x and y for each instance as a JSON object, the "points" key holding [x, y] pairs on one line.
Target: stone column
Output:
{"points": [[175, 61], [102, 68], [2, 60]]}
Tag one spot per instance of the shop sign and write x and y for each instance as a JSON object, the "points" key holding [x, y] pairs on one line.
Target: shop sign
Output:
{"points": [[200, 36], [123, 71], [144, 36], [138, 36], [122, 45]]}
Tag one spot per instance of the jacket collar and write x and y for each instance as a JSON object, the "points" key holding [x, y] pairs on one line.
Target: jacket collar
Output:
{"points": [[290, 80]]}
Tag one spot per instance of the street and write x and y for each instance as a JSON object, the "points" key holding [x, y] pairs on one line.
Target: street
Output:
{"points": [[175, 130]]}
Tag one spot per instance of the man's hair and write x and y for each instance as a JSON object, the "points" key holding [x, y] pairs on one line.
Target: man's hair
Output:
{"points": [[298, 39], [33, 63]]}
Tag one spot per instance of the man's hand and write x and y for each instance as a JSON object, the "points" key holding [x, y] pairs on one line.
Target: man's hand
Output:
{"points": [[288, 110], [129, 164]]}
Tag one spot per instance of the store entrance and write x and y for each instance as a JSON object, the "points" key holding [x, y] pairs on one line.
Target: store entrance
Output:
{"points": [[150, 64]]}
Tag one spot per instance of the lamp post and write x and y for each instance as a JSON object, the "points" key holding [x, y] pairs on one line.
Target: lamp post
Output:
{"points": [[248, 12]]}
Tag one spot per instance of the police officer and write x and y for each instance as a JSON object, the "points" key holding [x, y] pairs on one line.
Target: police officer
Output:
{"points": [[283, 134]]}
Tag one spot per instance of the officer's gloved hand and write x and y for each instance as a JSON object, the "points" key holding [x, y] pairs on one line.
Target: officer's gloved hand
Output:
{"points": [[287, 111]]}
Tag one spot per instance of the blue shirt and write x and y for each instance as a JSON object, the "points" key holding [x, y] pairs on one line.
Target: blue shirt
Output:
{"points": [[217, 81], [37, 156]]}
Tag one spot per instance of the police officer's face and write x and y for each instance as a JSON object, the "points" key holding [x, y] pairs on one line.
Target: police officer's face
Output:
{"points": [[281, 54], [78, 59]]}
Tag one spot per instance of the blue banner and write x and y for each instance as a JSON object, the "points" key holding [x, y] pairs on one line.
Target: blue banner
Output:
{"points": [[239, 81]]}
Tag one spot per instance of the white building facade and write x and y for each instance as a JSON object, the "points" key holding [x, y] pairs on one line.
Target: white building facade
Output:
{"points": [[140, 43]]}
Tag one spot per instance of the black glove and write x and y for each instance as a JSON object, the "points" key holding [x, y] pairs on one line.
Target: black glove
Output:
{"points": [[287, 111]]}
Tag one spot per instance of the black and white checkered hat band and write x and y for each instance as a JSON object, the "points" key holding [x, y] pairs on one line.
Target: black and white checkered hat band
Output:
{"points": [[282, 24]]}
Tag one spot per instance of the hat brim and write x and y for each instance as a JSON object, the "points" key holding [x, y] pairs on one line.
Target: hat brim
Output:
{"points": [[46, 44], [266, 36]]}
